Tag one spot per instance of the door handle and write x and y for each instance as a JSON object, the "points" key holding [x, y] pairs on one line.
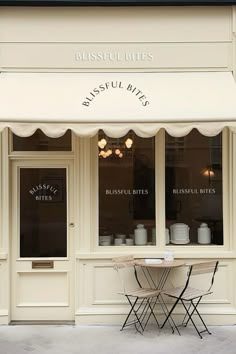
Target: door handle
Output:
{"points": [[71, 224]]}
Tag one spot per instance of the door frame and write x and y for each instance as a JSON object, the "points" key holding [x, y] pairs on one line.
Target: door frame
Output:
{"points": [[17, 263]]}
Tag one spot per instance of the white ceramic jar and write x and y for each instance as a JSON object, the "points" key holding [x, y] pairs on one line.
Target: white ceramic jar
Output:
{"points": [[204, 234], [140, 235]]}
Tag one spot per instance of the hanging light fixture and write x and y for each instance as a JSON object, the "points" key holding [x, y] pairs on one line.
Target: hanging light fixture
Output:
{"points": [[116, 147], [117, 151], [128, 143], [102, 143], [208, 172]]}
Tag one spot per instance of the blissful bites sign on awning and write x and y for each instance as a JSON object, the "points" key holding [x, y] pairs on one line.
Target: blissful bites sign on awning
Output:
{"points": [[115, 85]]}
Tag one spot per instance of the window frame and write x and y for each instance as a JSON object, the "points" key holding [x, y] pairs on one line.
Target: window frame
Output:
{"points": [[228, 172]]}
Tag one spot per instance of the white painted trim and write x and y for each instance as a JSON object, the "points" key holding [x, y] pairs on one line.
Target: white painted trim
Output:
{"points": [[43, 304], [3, 256], [234, 19], [234, 40], [160, 191], [227, 189], [188, 253]]}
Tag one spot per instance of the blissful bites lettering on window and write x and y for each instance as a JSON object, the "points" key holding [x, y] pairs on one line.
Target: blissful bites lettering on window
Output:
{"points": [[116, 85], [43, 192]]}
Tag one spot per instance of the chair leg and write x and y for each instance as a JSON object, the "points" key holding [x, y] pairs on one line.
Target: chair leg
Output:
{"points": [[170, 312], [132, 310], [199, 315], [186, 323], [191, 304], [151, 308], [140, 311], [143, 314], [190, 318], [146, 313], [194, 305], [170, 318]]}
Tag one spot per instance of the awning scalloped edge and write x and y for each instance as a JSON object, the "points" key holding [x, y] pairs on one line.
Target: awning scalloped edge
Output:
{"points": [[115, 130]]}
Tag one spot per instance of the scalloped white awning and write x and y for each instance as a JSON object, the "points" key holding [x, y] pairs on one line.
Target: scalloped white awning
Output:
{"points": [[117, 102]]}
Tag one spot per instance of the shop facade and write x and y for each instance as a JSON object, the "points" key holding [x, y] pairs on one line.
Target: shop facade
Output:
{"points": [[103, 130]]}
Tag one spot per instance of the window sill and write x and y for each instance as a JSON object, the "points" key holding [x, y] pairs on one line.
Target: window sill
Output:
{"points": [[151, 252]]}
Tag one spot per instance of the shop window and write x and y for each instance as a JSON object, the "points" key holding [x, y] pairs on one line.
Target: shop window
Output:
{"points": [[40, 142], [193, 179], [126, 190]]}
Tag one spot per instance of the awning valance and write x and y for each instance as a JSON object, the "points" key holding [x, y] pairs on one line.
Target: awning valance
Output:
{"points": [[117, 102]]}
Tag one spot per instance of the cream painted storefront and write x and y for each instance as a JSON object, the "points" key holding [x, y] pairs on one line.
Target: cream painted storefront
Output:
{"points": [[159, 69]]}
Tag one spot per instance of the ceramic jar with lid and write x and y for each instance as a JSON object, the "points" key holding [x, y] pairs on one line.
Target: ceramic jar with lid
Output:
{"points": [[204, 234], [140, 235], [179, 233]]}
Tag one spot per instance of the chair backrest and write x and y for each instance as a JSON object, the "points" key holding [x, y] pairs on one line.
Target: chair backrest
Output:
{"points": [[123, 262], [203, 268], [123, 267]]}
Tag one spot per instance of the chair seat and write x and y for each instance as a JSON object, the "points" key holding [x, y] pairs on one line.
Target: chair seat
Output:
{"points": [[142, 293], [189, 294]]}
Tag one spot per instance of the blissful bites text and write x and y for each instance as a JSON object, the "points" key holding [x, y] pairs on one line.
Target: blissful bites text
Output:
{"points": [[110, 85]]}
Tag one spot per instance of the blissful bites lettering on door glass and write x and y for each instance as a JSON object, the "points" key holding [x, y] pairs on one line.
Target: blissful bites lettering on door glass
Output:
{"points": [[44, 192], [116, 85]]}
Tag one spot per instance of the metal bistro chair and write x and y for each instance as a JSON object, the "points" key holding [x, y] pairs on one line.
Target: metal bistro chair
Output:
{"points": [[141, 300], [192, 296]]}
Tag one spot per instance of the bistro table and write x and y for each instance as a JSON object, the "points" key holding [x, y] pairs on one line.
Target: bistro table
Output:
{"points": [[165, 266]]}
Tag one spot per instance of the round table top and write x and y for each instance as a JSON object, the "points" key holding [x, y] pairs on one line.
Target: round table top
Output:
{"points": [[163, 264]]}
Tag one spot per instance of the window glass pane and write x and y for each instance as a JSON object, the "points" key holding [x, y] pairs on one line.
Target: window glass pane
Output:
{"points": [[43, 212], [40, 142], [194, 189], [126, 190]]}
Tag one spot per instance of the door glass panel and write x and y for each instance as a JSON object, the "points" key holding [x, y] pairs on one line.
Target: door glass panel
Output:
{"points": [[43, 212]]}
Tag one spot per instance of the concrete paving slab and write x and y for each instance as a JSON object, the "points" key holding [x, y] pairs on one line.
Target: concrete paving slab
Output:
{"points": [[72, 339]]}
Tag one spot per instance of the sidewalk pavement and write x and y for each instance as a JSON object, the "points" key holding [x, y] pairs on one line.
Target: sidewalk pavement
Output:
{"points": [[72, 339]]}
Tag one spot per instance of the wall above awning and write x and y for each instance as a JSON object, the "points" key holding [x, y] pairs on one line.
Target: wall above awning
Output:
{"points": [[117, 102]]}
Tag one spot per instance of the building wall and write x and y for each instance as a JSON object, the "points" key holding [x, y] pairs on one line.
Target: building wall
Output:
{"points": [[140, 39], [179, 38]]}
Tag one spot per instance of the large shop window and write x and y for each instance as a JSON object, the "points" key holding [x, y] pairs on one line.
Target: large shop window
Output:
{"points": [[193, 178], [126, 190]]}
